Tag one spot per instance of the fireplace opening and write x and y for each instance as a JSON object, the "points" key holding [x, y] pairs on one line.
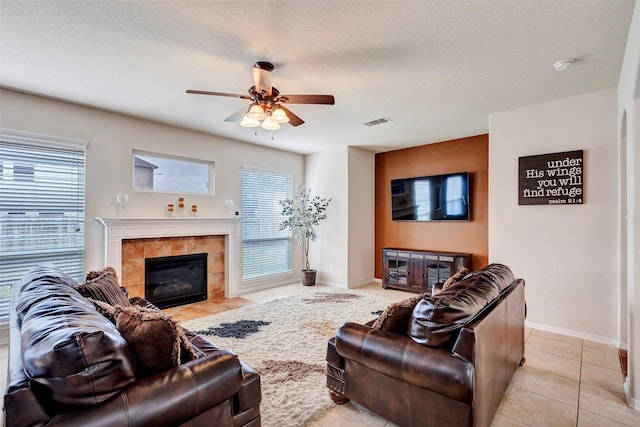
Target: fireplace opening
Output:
{"points": [[175, 280]]}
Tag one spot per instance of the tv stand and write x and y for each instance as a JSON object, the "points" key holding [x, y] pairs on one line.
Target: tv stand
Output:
{"points": [[419, 270]]}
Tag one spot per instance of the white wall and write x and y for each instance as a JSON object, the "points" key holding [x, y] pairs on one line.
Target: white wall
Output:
{"points": [[361, 244], [343, 253], [629, 134], [567, 254], [112, 137], [632, 284], [327, 176]]}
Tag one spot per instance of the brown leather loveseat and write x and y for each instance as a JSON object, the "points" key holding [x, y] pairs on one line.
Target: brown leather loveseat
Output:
{"points": [[441, 360], [69, 365]]}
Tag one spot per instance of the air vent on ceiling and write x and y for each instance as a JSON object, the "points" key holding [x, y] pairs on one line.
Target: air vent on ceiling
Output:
{"points": [[379, 121]]}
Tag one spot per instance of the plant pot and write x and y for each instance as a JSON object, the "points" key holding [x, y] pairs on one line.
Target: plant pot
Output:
{"points": [[309, 277]]}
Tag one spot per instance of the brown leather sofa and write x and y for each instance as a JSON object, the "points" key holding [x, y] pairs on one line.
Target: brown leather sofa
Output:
{"points": [[445, 362], [69, 366]]}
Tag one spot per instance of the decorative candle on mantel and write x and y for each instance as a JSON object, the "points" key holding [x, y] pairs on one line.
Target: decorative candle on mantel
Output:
{"points": [[194, 208], [181, 202], [170, 207]]}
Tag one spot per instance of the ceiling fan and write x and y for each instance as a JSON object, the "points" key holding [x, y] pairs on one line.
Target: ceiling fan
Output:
{"points": [[266, 108]]}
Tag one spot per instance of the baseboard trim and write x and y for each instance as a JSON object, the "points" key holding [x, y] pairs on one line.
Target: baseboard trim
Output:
{"points": [[633, 403], [572, 333], [344, 285], [361, 283], [258, 286], [332, 284]]}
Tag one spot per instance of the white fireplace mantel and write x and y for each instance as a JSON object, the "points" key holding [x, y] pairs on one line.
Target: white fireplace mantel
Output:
{"points": [[117, 229]]}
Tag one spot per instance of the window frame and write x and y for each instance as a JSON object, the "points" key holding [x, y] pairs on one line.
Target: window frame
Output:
{"points": [[287, 272], [211, 173], [51, 162]]}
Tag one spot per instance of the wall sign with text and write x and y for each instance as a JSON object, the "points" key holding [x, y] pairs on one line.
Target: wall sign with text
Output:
{"points": [[551, 179]]}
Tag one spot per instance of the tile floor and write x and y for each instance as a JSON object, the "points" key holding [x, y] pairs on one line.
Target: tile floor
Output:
{"points": [[566, 381]]}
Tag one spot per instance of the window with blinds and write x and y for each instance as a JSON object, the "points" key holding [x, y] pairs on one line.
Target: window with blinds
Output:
{"points": [[41, 207], [266, 250]]}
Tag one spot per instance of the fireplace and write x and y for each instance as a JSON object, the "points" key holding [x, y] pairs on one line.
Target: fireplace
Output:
{"points": [[176, 280], [128, 241]]}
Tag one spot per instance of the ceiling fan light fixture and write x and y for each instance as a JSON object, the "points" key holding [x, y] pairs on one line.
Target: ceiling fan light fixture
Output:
{"points": [[266, 101], [270, 124], [280, 116], [256, 112], [249, 122]]}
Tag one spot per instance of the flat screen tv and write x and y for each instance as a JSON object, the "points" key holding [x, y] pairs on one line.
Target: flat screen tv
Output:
{"points": [[431, 198]]}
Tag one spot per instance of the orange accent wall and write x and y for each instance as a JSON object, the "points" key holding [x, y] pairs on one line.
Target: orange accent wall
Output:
{"points": [[459, 155]]}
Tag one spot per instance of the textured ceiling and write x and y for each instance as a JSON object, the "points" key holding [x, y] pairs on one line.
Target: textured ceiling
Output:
{"points": [[436, 69]]}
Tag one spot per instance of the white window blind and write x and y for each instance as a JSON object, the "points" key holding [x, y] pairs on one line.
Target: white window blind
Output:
{"points": [[266, 250], [41, 206]]}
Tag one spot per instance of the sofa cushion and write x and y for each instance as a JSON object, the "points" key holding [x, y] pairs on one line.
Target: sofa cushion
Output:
{"points": [[103, 285], [73, 356], [158, 342], [498, 275], [396, 316], [437, 320], [50, 280]]}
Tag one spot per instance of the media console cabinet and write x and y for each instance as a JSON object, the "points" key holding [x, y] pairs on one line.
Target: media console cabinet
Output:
{"points": [[419, 270]]}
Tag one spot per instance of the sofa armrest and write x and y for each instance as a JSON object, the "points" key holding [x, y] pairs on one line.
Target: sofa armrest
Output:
{"points": [[20, 405], [249, 395], [400, 357], [174, 396], [465, 345]]}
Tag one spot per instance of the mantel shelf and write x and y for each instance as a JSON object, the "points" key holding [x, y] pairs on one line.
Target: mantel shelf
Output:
{"points": [[168, 218]]}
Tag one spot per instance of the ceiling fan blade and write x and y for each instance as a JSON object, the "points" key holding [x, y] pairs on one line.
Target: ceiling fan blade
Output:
{"points": [[204, 92], [262, 77], [293, 119], [238, 114], [307, 99]]}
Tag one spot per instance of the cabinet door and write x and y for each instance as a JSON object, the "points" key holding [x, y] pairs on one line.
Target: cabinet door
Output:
{"points": [[403, 270], [445, 267], [432, 273], [438, 271], [444, 272], [463, 261], [397, 270], [418, 276], [431, 262]]}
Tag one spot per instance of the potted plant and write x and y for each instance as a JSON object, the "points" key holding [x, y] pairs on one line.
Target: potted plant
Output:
{"points": [[302, 215]]}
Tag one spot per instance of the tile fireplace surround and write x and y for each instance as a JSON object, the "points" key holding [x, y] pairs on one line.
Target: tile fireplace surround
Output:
{"points": [[219, 237]]}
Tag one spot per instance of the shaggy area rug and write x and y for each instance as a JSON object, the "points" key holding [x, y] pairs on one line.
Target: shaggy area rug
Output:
{"points": [[286, 342]]}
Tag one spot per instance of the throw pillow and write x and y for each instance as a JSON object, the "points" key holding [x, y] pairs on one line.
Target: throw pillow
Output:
{"points": [[157, 340], [143, 303], [396, 316], [455, 278], [103, 286], [97, 273], [437, 320]]}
